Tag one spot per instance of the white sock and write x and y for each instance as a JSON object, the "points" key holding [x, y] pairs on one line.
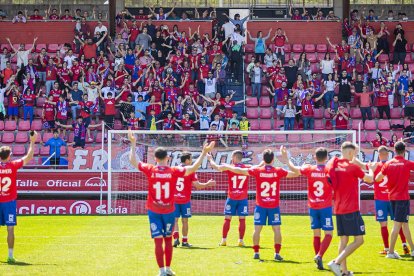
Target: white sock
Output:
{"points": [[224, 239], [386, 249], [162, 269], [404, 243], [240, 240], [184, 237], [10, 252], [167, 268]]}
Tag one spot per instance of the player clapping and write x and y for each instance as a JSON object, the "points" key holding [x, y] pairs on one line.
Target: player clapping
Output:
{"points": [[397, 171], [267, 211], [237, 200], [162, 181], [319, 201], [182, 198], [8, 189]]}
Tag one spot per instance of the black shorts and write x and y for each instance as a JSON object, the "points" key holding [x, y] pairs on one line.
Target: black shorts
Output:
{"points": [[109, 120], [401, 210], [350, 224]]}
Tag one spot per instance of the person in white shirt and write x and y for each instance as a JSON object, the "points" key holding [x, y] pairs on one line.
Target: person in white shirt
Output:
{"points": [[2, 92], [210, 85], [236, 36], [22, 55], [218, 123], [228, 28], [109, 88], [100, 28], [69, 58]]}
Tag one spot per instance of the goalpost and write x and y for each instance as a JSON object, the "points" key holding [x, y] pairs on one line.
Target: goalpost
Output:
{"points": [[127, 187]]}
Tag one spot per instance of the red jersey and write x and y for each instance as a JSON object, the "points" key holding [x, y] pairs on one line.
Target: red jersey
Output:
{"points": [[186, 124], [342, 50], [62, 110], [161, 186], [341, 123], [344, 177], [8, 177], [29, 99], [382, 98], [398, 172], [133, 123], [49, 111], [85, 109], [168, 124], [204, 69], [157, 92], [267, 185], [13, 98], [55, 94], [380, 188], [280, 40], [183, 188], [307, 108], [278, 80], [238, 184], [377, 143], [319, 190], [110, 106], [76, 71], [134, 32]]}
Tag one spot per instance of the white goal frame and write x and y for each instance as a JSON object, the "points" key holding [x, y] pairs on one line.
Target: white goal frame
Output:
{"points": [[352, 133]]}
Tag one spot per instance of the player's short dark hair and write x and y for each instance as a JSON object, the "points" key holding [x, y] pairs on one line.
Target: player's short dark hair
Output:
{"points": [[382, 149], [268, 156], [238, 154], [5, 152], [321, 154], [348, 145], [109, 94], [160, 153], [79, 117], [55, 131], [399, 147], [185, 156], [222, 107]]}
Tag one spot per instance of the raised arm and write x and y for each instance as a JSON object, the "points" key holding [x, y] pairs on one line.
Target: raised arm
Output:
{"points": [[369, 177], [193, 168], [29, 156]]}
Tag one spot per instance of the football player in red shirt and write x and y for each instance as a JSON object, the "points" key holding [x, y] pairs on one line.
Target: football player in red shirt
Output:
{"points": [[182, 199], [267, 211], [397, 171], [237, 199], [382, 203], [162, 181], [319, 201], [344, 176], [8, 190]]}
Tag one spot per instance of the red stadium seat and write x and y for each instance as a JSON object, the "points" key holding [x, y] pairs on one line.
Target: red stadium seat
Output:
{"points": [[40, 46], [355, 124], [21, 137], [265, 113], [356, 113], [370, 125], [10, 125], [8, 137], [1, 125], [46, 137], [371, 135], [265, 124], [249, 48], [267, 138], [383, 58], [293, 138], [264, 90], [331, 49], [37, 125], [320, 56], [363, 137], [383, 125], [310, 48], [321, 48], [252, 113], [295, 56], [287, 48], [98, 137], [318, 113], [265, 102], [408, 58], [252, 102], [19, 150], [24, 125], [6, 45], [312, 57], [63, 151], [319, 137], [248, 90], [40, 101], [397, 121], [44, 151], [254, 125], [36, 150], [38, 112], [315, 68], [297, 48], [306, 138], [280, 138], [53, 48], [319, 125]]}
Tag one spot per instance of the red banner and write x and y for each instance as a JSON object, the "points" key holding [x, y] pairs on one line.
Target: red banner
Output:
{"points": [[61, 181]]}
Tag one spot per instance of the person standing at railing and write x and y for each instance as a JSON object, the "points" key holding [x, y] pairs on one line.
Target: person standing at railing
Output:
{"points": [[259, 44], [54, 145], [238, 21]]}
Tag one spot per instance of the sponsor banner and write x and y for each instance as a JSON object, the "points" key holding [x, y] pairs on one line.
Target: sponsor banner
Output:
{"points": [[61, 181], [69, 207], [125, 207]]}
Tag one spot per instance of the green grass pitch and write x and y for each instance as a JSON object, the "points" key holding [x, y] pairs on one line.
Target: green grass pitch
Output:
{"points": [[121, 245]]}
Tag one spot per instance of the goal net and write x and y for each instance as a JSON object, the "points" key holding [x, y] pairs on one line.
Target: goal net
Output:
{"points": [[127, 187]]}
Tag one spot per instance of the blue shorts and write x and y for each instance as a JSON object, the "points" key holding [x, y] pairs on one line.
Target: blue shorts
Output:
{"points": [[8, 213], [236, 207], [267, 216], [161, 224], [383, 210], [13, 111], [401, 210], [321, 218], [182, 210]]}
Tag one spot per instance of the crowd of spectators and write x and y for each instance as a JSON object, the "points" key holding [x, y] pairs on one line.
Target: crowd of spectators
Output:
{"points": [[151, 76]]}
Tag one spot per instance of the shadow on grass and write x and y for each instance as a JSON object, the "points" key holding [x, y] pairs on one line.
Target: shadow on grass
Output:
{"points": [[282, 262], [196, 248], [242, 247], [364, 272], [19, 263]]}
